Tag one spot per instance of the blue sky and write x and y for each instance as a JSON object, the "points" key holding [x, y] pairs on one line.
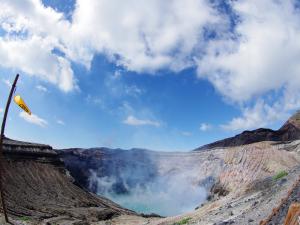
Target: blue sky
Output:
{"points": [[174, 81]]}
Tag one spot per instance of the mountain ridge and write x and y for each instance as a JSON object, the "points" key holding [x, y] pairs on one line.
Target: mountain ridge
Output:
{"points": [[289, 131]]}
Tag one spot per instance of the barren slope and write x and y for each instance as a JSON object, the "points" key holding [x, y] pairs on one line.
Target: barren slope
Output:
{"points": [[37, 185], [246, 192], [242, 178]]}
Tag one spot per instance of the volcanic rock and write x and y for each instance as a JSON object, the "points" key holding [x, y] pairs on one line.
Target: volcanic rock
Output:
{"points": [[37, 185], [290, 131]]}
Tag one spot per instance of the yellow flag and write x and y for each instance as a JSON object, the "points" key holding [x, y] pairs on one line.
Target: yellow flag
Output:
{"points": [[20, 102]]}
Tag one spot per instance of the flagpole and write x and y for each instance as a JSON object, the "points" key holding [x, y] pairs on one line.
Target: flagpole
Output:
{"points": [[1, 145]]}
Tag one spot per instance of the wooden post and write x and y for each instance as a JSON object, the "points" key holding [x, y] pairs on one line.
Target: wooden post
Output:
{"points": [[1, 145]]}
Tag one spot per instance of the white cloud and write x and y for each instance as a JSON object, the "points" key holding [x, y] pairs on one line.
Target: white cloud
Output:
{"points": [[94, 99], [158, 35], [205, 127], [97, 101], [34, 58], [263, 114], [1, 110], [116, 87], [7, 82], [259, 56], [186, 133], [133, 90], [39, 31], [155, 31], [60, 122], [263, 55], [251, 118], [41, 88], [133, 121], [34, 119]]}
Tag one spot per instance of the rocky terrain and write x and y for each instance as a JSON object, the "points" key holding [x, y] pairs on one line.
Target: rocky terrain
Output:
{"points": [[39, 189], [278, 215], [119, 174], [238, 177], [243, 183], [246, 197], [138, 167]]}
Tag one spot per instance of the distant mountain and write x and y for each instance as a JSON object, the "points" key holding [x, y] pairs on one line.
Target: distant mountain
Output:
{"points": [[290, 131]]}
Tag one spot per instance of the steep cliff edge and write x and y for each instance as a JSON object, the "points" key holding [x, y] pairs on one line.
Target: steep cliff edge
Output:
{"points": [[137, 167], [244, 190], [290, 131], [140, 179], [38, 186]]}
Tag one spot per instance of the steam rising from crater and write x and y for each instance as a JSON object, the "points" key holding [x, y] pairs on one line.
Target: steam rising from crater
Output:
{"points": [[149, 182]]}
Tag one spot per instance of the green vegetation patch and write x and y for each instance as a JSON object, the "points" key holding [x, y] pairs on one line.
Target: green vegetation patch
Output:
{"points": [[183, 221], [280, 174], [24, 218]]}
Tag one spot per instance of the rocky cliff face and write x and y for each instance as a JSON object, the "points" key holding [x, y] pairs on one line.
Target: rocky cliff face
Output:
{"points": [[146, 175], [239, 176], [136, 167], [229, 173], [37, 185], [288, 132], [248, 167]]}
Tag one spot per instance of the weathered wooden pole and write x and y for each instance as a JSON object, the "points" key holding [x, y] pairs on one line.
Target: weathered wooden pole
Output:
{"points": [[13, 87]]}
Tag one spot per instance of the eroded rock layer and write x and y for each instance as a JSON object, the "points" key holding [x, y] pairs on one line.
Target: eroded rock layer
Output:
{"points": [[37, 185]]}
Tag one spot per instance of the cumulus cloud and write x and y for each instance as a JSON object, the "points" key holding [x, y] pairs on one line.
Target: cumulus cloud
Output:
{"points": [[34, 119], [205, 127], [186, 133], [264, 113], [133, 121], [258, 116], [262, 55], [116, 87], [7, 82], [33, 56], [158, 35], [60, 122], [156, 31], [32, 32], [260, 58], [41, 88], [257, 54]]}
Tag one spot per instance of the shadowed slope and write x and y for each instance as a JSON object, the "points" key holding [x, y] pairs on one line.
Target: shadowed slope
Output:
{"points": [[37, 185]]}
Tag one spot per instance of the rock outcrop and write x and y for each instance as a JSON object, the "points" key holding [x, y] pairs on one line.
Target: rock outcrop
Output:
{"points": [[246, 189], [250, 167], [138, 167], [233, 171], [38, 186], [146, 175], [290, 131], [239, 171]]}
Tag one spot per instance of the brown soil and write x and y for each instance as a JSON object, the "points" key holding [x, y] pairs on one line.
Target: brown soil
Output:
{"points": [[38, 186]]}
